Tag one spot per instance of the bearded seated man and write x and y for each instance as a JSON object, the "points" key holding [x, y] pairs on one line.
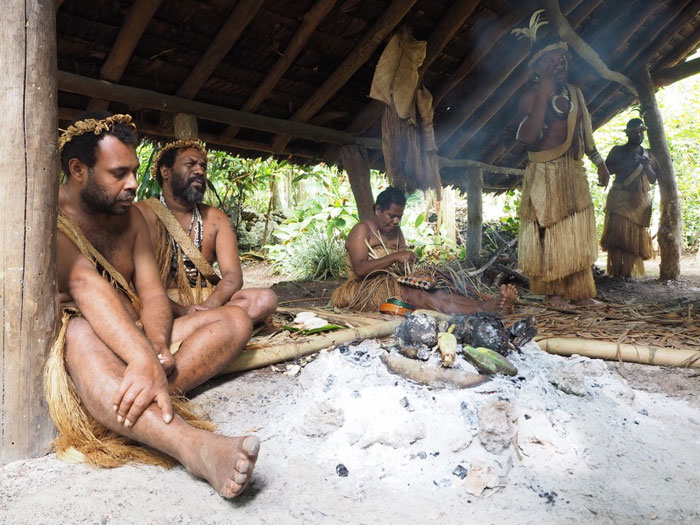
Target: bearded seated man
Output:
{"points": [[378, 258], [110, 374], [189, 237]]}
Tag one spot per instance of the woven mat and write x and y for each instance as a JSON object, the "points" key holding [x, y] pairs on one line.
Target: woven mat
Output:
{"points": [[675, 326]]}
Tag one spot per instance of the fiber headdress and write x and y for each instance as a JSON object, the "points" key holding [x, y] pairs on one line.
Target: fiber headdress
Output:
{"points": [[92, 125], [538, 47], [178, 144]]}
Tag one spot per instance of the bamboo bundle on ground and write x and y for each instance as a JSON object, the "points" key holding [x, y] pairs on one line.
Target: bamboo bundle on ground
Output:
{"points": [[643, 354]]}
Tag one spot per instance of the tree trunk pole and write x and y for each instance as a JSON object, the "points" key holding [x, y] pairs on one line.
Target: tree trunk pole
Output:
{"points": [[356, 164], [28, 203], [669, 234], [475, 183]]}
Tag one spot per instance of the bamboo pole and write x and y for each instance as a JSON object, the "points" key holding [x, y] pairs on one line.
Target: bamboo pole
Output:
{"points": [[629, 353], [270, 355], [28, 203]]}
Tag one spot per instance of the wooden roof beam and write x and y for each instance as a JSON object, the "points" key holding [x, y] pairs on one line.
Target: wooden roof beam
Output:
{"points": [[674, 74], [688, 47], [232, 29], [135, 22], [391, 17], [310, 22], [136, 98], [69, 114], [483, 48]]}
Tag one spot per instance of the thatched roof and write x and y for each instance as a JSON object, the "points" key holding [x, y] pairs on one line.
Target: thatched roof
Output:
{"points": [[312, 61]]}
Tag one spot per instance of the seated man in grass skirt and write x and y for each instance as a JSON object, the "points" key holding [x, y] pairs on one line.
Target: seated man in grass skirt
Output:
{"points": [[188, 237], [378, 262], [110, 374], [557, 245], [628, 207]]}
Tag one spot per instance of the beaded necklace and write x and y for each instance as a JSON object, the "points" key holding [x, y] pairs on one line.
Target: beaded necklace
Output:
{"points": [[197, 224]]}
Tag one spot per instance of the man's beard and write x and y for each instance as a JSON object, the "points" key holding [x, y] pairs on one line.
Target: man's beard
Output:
{"points": [[184, 191], [96, 199]]}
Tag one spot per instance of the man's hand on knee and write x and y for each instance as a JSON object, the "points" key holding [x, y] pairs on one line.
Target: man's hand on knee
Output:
{"points": [[144, 382]]}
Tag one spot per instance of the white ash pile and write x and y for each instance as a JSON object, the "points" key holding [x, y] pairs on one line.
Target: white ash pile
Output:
{"points": [[377, 427]]}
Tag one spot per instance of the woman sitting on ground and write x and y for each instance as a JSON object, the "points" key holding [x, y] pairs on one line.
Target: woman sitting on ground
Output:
{"points": [[377, 254]]}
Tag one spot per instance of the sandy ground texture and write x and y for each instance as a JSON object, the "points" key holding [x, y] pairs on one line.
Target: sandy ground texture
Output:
{"points": [[344, 441]]}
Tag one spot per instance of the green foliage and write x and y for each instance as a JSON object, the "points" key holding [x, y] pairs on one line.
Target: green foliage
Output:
{"points": [[314, 256], [148, 187]]}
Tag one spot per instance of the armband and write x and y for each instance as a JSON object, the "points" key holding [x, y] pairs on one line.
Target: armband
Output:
{"points": [[596, 158]]}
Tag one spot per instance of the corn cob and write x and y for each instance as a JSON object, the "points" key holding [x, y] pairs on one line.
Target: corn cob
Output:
{"points": [[447, 343], [488, 361]]}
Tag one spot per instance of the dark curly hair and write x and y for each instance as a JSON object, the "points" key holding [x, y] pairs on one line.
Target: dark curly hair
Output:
{"points": [[84, 147]]}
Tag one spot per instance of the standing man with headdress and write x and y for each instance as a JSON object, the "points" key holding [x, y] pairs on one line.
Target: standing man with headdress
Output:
{"points": [[557, 245], [188, 237], [110, 373], [628, 207]]}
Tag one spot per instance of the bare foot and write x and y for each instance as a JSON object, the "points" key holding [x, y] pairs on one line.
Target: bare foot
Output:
{"points": [[225, 462], [586, 302], [557, 301], [509, 294], [502, 302]]}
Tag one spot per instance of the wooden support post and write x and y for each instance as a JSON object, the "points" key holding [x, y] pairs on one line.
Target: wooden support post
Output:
{"points": [[669, 235], [309, 24], [356, 164], [475, 183], [28, 203], [391, 17], [185, 126]]}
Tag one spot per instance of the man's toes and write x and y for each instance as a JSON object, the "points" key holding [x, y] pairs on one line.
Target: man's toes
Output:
{"points": [[243, 465], [250, 446], [231, 490], [240, 478]]}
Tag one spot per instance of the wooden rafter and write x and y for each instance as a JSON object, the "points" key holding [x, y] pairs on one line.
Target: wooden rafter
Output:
{"points": [[499, 29], [639, 56], [133, 27], [239, 19], [674, 74], [391, 17], [309, 24]]}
